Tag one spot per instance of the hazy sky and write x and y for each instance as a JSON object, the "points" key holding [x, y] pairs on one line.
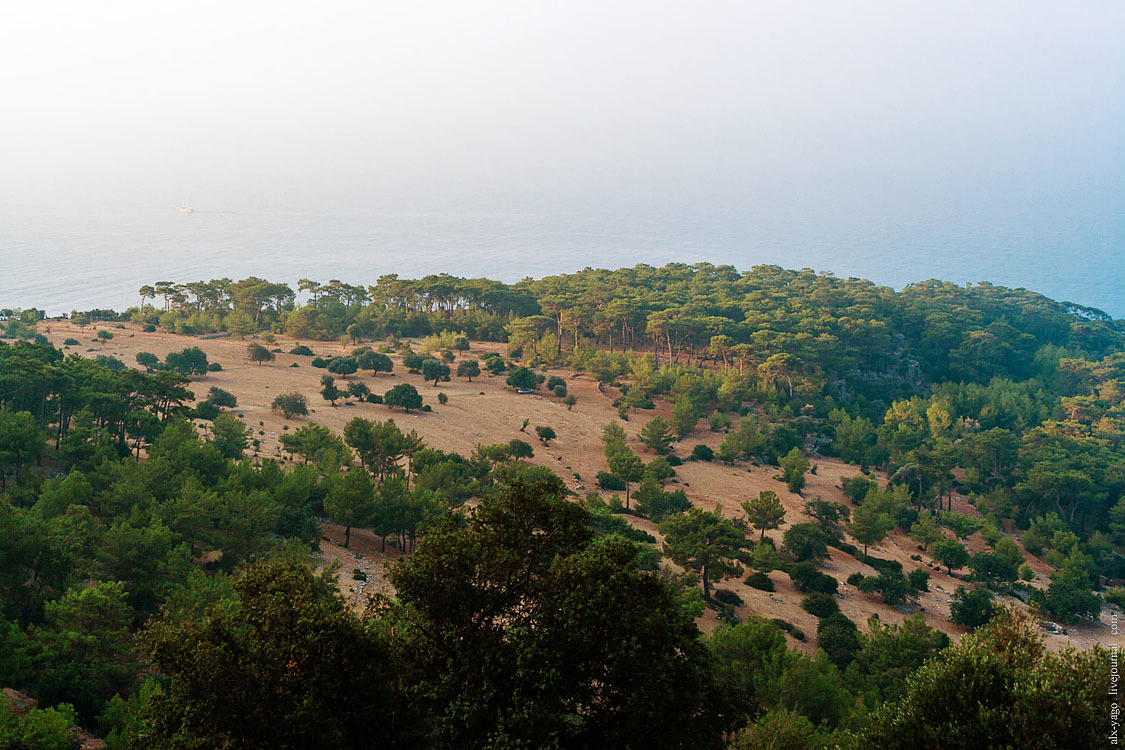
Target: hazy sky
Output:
{"points": [[508, 104]]}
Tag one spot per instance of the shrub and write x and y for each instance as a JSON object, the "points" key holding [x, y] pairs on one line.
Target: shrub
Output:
{"points": [[374, 398], [819, 604], [1114, 596], [110, 363], [559, 390], [358, 574], [806, 578], [206, 410], [148, 328], [702, 452], [805, 542], [71, 342], [442, 399], [673, 460], [971, 607], [320, 362], [838, 637], [610, 482], [214, 367], [919, 579], [301, 350], [726, 596], [760, 581], [718, 421], [790, 628]]}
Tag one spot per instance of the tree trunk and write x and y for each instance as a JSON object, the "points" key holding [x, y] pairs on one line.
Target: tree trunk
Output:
{"points": [[347, 536]]}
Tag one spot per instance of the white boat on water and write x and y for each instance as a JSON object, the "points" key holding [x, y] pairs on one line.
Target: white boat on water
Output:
{"points": [[187, 210]]}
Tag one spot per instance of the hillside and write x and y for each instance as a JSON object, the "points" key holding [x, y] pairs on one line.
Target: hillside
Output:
{"points": [[486, 412]]}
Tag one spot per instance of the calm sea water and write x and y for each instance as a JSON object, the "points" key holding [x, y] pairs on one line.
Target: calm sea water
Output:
{"points": [[59, 260]]}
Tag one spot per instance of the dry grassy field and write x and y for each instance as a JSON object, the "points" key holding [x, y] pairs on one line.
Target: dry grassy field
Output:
{"points": [[487, 411]]}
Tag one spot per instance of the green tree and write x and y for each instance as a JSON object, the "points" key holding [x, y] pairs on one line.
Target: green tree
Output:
{"points": [[869, 524], [240, 324], [488, 605], [221, 398], [950, 553], [972, 607], [764, 512], [545, 434], [434, 370], [522, 378], [657, 435], [628, 467], [793, 468], [190, 361], [259, 353], [343, 366], [229, 435], [706, 543], [837, 636], [147, 360], [329, 391], [21, 440], [685, 416], [468, 368], [926, 531], [303, 670], [291, 404], [828, 515], [996, 683], [351, 502], [318, 444], [889, 654], [805, 542], [404, 395], [1069, 594], [613, 435]]}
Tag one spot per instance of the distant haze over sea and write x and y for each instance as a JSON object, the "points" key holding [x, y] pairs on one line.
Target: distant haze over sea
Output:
{"points": [[61, 260], [893, 141]]}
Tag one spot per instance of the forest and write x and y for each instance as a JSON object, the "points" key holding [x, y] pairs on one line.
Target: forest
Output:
{"points": [[157, 585]]}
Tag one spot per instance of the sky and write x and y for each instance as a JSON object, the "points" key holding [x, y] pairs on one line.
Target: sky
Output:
{"points": [[559, 98], [798, 109]]}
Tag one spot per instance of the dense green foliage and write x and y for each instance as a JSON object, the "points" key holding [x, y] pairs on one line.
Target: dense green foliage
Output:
{"points": [[529, 621]]}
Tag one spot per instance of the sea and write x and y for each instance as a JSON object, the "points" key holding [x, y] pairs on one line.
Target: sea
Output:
{"points": [[60, 259]]}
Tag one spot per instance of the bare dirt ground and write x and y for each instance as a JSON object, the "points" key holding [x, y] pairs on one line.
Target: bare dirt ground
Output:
{"points": [[486, 411]]}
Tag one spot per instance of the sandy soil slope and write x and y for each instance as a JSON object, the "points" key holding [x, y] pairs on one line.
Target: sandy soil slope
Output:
{"points": [[486, 411]]}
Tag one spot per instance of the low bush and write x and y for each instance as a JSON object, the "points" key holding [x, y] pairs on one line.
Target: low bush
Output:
{"points": [[760, 581], [702, 452], [726, 596], [610, 482], [790, 628], [806, 578], [819, 604]]}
